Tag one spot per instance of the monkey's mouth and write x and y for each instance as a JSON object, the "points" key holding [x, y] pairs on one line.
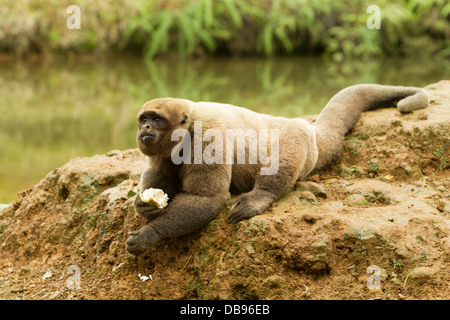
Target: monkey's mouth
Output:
{"points": [[147, 138]]}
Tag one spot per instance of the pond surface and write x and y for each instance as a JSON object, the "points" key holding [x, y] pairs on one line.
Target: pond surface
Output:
{"points": [[53, 111]]}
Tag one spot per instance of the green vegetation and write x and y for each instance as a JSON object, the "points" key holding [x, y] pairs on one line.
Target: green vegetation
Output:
{"points": [[245, 27]]}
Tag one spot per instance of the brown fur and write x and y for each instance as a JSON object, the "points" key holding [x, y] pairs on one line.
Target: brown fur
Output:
{"points": [[198, 192]]}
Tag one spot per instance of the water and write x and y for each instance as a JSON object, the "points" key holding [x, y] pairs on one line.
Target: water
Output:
{"points": [[52, 112]]}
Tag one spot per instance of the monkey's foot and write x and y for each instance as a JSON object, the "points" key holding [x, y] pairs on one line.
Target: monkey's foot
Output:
{"points": [[244, 208], [140, 241]]}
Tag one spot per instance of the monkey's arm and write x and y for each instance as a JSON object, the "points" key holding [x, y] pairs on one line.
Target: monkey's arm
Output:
{"points": [[154, 178], [203, 195]]}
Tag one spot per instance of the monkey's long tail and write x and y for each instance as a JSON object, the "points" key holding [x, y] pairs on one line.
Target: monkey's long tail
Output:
{"points": [[344, 109]]}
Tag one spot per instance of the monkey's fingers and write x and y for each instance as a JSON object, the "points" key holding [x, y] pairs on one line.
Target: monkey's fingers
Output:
{"points": [[135, 245], [237, 215], [234, 216]]}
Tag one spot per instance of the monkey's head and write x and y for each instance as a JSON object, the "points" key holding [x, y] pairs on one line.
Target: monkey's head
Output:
{"points": [[157, 119]]}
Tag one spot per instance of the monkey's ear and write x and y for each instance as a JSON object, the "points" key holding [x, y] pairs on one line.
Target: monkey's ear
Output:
{"points": [[185, 118]]}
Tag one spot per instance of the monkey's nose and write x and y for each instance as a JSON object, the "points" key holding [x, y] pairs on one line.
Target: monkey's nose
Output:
{"points": [[147, 126]]}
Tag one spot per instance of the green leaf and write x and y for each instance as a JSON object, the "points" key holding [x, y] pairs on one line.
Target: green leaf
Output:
{"points": [[267, 39], [281, 35], [233, 12], [207, 40], [160, 38], [208, 13], [186, 30]]}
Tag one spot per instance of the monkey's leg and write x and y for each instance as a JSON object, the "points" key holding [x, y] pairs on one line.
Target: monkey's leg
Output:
{"points": [[267, 190], [152, 178], [297, 157], [205, 191]]}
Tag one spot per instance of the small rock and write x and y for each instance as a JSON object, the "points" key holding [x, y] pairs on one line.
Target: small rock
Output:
{"points": [[3, 207], [374, 165], [345, 172], [383, 274], [313, 187], [407, 168], [114, 153], [356, 200], [274, 281], [359, 172], [22, 272], [353, 172], [307, 291], [367, 235], [249, 248], [18, 290], [307, 195], [420, 275], [319, 267], [54, 295], [402, 253], [441, 206], [310, 218]]}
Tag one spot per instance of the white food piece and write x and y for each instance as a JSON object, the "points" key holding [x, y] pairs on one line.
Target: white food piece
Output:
{"points": [[145, 278], [46, 275], [154, 196]]}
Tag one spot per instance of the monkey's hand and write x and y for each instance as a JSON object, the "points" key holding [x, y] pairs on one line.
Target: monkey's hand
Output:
{"points": [[141, 240], [148, 211]]}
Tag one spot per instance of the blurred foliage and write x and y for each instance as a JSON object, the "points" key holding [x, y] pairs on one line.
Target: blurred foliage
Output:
{"points": [[243, 27]]}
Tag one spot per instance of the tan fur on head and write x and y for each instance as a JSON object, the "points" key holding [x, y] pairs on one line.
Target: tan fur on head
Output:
{"points": [[170, 108], [174, 113]]}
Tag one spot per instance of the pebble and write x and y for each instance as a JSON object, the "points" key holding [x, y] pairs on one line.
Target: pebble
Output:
{"points": [[54, 295], [249, 248], [274, 281], [315, 188], [420, 275], [310, 218], [3, 207], [307, 195], [356, 200]]}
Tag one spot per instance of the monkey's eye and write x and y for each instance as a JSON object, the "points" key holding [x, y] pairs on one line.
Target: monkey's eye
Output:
{"points": [[157, 121], [144, 120]]}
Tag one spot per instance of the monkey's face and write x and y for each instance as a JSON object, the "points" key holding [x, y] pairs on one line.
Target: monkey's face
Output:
{"points": [[157, 119]]}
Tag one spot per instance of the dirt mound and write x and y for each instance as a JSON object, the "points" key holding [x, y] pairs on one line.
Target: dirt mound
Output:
{"points": [[380, 215]]}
